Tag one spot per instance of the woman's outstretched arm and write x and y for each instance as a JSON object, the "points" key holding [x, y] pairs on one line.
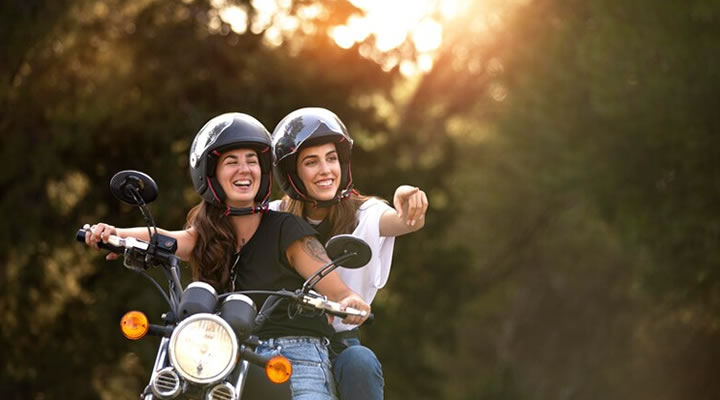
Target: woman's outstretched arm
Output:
{"points": [[101, 232]]}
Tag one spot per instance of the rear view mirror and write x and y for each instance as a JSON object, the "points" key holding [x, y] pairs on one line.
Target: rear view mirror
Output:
{"points": [[126, 185], [355, 251]]}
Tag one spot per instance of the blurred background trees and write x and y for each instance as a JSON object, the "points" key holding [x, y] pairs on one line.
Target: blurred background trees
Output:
{"points": [[569, 150]]}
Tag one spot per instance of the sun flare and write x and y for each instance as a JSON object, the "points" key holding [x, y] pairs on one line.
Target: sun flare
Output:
{"points": [[392, 23], [382, 28]]}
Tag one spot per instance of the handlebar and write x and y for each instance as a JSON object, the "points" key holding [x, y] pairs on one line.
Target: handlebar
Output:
{"points": [[334, 308], [312, 299], [115, 244], [139, 255]]}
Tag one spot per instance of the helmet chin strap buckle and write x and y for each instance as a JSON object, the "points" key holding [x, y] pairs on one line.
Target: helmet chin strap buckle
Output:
{"points": [[263, 208], [347, 193]]}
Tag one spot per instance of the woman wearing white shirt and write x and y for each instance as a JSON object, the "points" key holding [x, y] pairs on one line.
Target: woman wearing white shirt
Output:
{"points": [[311, 154]]}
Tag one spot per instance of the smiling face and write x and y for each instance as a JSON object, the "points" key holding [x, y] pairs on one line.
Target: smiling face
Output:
{"points": [[319, 169], [239, 173]]}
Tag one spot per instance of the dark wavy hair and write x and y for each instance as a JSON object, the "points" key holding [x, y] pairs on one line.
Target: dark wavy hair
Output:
{"points": [[214, 245]]}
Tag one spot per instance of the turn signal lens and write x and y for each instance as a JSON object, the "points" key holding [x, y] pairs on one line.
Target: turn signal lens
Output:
{"points": [[134, 325], [278, 369]]}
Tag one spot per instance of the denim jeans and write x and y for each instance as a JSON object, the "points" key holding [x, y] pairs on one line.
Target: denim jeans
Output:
{"points": [[358, 372], [311, 377]]}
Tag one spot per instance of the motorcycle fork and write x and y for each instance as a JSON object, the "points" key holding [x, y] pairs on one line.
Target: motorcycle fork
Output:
{"points": [[241, 372], [161, 361]]}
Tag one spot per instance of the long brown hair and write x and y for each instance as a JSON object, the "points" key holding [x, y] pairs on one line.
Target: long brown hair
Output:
{"points": [[214, 246], [342, 215]]}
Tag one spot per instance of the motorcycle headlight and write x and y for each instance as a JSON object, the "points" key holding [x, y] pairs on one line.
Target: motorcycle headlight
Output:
{"points": [[203, 348]]}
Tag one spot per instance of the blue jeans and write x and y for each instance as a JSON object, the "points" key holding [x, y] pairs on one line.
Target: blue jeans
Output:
{"points": [[358, 372], [311, 377]]}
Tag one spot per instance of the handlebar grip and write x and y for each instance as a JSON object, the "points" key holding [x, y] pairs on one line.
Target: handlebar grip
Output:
{"points": [[80, 237], [342, 315], [333, 308]]}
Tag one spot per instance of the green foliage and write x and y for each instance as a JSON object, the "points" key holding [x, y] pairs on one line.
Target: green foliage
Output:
{"points": [[117, 85], [591, 202]]}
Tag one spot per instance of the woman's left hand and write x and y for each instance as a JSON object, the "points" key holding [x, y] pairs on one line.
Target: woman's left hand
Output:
{"points": [[356, 302]]}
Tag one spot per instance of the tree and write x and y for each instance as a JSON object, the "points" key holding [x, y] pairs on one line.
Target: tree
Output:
{"points": [[116, 85]]}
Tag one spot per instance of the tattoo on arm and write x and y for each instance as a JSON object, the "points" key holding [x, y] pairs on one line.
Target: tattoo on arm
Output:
{"points": [[313, 248]]}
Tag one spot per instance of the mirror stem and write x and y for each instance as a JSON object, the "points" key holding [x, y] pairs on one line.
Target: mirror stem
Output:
{"points": [[326, 269], [134, 191]]}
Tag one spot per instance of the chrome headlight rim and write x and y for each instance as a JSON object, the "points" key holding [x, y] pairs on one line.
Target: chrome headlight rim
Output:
{"points": [[176, 333]]}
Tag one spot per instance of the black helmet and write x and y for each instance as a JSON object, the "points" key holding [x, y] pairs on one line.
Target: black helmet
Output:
{"points": [[310, 126], [220, 134]]}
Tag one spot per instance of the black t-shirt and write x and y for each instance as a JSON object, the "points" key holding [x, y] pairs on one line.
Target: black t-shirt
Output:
{"points": [[263, 265], [323, 230]]}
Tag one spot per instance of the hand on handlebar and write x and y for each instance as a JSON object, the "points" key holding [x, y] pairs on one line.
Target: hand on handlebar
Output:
{"points": [[356, 302], [101, 232]]}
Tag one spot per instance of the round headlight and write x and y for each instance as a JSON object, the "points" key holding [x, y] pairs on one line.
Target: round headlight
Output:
{"points": [[203, 348]]}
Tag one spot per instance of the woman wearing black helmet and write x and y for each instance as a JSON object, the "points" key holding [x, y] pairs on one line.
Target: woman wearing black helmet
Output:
{"points": [[234, 242], [311, 152]]}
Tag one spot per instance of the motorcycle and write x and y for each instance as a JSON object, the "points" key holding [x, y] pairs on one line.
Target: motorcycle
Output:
{"points": [[207, 340]]}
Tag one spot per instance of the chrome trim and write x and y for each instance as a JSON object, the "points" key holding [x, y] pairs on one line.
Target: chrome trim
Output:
{"points": [[242, 372], [161, 361], [128, 242], [202, 285], [166, 383], [243, 298], [161, 358], [223, 391]]}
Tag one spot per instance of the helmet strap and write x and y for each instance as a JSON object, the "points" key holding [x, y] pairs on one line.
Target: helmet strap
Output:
{"points": [[258, 209], [214, 191]]}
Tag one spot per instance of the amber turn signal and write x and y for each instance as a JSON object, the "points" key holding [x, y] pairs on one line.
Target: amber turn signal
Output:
{"points": [[134, 325], [278, 369]]}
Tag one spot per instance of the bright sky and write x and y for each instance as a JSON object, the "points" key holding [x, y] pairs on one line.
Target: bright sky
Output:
{"points": [[390, 22]]}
